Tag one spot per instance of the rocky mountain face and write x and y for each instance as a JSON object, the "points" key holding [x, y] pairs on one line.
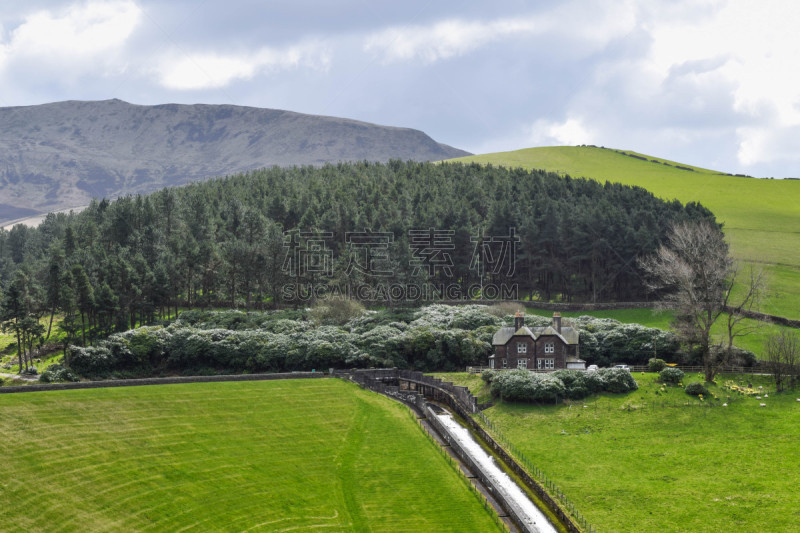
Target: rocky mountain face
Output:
{"points": [[60, 155]]}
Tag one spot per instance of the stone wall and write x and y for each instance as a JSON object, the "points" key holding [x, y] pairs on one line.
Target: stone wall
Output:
{"points": [[160, 381]]}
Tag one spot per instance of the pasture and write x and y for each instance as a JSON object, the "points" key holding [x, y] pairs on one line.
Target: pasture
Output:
{"points": [[761, 216], [248, 456], [755, 340], [657, 459]]}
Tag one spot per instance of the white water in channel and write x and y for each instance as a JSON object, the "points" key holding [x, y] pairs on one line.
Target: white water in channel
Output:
{"points": [[535, 519]]}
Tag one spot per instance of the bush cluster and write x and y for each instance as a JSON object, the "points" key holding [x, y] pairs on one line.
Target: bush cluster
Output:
{"points": [[57, 373], [656, 365], [437, 337], [604, 341], [525, 386], [338, 334], [671, 375], [336, 310], [696, 389]]}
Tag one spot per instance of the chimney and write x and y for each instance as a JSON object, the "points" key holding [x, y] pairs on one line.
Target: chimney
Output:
{"points": [[557, 322], [519, 321]]}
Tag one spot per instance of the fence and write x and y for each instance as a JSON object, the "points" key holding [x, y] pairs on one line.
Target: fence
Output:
{"points": [[758, 368], [556, 306], [564, 510], [461, 394], [160, 381], [533, 475]]}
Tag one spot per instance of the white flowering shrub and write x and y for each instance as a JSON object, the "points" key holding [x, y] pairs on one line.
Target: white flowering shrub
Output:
{"points": [[604, 341], [455, 316]]}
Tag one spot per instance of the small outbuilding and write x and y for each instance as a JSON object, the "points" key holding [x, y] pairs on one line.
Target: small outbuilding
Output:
{"points": [[539, 348]]}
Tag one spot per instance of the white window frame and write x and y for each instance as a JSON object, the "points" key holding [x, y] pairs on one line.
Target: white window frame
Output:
{"points": [[546, 364], [491, 364], [549, 347], [522, 363], [522, 347], [505, 363]]}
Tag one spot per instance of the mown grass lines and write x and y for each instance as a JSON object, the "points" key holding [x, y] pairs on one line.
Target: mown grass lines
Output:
{"points": [[260, 456]]}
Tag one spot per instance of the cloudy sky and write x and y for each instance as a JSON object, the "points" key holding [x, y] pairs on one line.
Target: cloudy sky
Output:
{"points": [[712, 83]]}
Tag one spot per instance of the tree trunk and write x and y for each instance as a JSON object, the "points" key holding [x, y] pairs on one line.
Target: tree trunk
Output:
{"points": [[50, 325], [20, 348]]}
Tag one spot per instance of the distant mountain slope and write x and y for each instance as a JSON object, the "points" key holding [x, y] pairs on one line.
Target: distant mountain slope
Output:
{"points": [[761, 216], [61, 155]]}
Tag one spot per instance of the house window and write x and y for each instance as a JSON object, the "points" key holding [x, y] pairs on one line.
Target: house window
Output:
{"points": [[522, 347], [549, 347], [491, 363], [505, 363], [522, 363], [545, 364]]}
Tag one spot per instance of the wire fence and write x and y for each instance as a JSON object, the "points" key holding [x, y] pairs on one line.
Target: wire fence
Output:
{"points": [[538, 475], [754, 370], [478, 494]]}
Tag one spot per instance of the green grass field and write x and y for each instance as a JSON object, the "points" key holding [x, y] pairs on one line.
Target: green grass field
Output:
{"points": [[762, 217], [755, 340], [288, 455], [647, 461]]}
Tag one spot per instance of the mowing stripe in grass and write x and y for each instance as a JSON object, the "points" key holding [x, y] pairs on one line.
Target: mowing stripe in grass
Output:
{"points": [[225, 457]]}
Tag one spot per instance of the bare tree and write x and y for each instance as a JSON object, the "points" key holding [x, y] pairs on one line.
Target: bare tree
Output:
{"points": [[783, 355], [740, 305], [696, 275]]}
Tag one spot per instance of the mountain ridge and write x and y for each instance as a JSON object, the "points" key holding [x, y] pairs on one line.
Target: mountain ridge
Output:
{"points": [[62, 154]]}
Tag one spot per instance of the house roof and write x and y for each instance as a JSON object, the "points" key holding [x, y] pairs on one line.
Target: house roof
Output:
{"points": [[568, 334], [503, 335]]}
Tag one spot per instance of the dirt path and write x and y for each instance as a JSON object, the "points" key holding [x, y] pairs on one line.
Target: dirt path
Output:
{"points": [[17, 376]]}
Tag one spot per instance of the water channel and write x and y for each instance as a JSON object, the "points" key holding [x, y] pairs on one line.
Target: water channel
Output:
{"points": [[533, 519]]}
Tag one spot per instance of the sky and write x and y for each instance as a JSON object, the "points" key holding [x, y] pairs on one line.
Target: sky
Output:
{"points": [[712, 83]]}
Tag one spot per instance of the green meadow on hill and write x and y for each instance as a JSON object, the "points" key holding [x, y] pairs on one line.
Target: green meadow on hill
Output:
{"points": [[755, 340], [761, 216], [657, 459], [291, 455]]}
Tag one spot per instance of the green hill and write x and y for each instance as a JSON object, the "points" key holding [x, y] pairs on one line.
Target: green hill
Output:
{"points": [[762, 217]]}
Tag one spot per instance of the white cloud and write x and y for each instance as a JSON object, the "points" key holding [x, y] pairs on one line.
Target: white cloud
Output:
{"points": [[444, 39], [590, 26], [80, 32], [212, 70], [570, 132], [753, 54]]}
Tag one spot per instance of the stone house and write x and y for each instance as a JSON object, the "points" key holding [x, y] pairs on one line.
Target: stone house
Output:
{"points": [[539, 348]]}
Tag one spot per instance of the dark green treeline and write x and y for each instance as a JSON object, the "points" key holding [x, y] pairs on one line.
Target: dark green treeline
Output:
{"points": [[240, 241]]}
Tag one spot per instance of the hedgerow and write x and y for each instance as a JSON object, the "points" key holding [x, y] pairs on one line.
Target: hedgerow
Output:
{"points": [[526, 386], [436, 337]]}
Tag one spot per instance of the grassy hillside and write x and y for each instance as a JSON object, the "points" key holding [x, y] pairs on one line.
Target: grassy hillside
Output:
{"points": [[755, 341], [258, 456], [650, 461], [762, 217]]}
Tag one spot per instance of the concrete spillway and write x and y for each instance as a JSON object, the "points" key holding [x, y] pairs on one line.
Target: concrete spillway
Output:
{"points": [[531, 518]]}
